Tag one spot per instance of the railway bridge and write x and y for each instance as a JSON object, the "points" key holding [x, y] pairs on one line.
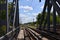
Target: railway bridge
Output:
{"points": [[42, 32]]}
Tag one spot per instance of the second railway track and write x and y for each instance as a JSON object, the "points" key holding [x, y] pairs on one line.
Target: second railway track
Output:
{"points": [[34, 34]]}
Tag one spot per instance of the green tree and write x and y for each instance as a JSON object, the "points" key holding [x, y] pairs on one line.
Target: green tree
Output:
{"points": [[3, 16], [51, 18], [38, 18]]}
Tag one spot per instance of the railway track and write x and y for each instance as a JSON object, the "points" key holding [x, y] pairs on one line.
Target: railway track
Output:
{"points": [[34, 34]]}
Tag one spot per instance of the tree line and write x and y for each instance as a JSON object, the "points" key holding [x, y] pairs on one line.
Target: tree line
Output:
{"points": [[37, 22], [51, 18], [3, 16]]}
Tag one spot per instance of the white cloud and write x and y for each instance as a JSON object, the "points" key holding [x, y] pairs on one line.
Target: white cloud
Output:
{"points": [[26, 7], [42, 6], [23, 15], [27, 17], [26, 10], [35, 14], [24, 18]]}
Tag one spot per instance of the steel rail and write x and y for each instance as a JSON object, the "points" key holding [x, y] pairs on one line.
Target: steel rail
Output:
{"points": [[47, 34], [28, 35], [34, 35]]}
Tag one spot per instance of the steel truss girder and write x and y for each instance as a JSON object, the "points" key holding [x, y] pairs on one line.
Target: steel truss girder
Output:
{"points": [[56, 8], [43, 14]]}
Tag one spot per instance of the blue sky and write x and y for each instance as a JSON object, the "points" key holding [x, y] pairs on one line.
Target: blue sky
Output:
{"points": [[29, 9]]}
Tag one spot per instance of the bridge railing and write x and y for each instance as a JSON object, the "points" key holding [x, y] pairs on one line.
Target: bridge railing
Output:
{"points": [[11, 35]]}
